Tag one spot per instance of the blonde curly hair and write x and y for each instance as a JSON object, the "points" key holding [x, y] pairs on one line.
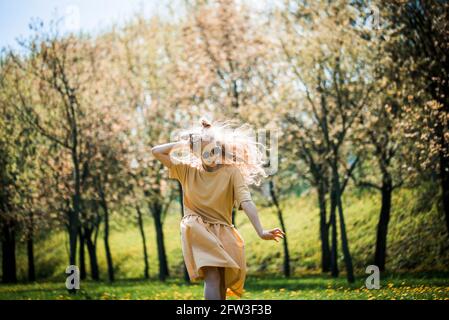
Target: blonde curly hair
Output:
{"points": [[235, 145]]}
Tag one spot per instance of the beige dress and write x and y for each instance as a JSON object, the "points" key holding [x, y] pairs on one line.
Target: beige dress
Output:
{"points": [[207, 235]]}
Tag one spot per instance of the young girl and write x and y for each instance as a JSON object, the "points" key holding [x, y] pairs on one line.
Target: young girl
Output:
{"points": [[215, 166]]}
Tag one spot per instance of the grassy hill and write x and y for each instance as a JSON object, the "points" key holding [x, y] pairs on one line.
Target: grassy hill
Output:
{"points": [[417, 240]]}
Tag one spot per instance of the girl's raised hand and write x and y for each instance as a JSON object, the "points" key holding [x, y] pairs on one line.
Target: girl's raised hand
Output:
{"points": [[273, 234]]}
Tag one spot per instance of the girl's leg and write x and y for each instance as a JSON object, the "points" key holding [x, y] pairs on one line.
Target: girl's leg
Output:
{"points": [[222, 283], [212, 282]]}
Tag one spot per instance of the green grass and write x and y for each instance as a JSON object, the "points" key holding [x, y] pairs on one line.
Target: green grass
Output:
{"points": [[297, 288]]}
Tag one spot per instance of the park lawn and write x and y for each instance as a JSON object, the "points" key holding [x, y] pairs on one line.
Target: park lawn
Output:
{"points": [[403, 287]]}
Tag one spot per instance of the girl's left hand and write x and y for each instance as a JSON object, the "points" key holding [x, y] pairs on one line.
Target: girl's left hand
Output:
{"points": [[273, 234]]}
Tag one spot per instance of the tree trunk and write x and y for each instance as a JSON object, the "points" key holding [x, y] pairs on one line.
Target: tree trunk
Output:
{"points": [[324, 230], [104, 206], [106, 243], [73, 236], [382, 226], [181, 202], [444, 176], [92, 251], [82, 261], [334, 243], [344, 240], [281, 221], [75, 213], [156, 210], [9, 253], [146, 268], [30, 251], [30, 256], [344, 244]]}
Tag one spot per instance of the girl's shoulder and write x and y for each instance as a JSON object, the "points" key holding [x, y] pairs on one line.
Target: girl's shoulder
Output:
{"points": [[232, 170]]}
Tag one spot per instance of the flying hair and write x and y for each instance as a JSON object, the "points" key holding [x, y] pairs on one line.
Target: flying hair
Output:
{"points": [[233, 143]]}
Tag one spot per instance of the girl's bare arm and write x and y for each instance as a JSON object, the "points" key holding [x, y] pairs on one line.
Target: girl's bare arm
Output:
{"points": [[162, 152], [251, 211]]}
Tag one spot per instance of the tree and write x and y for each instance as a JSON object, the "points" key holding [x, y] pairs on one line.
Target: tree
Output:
{"points": [[328, 59], [7, 220], [19, 178], [222, 53], [53, 77], [416, 42], [382, 153], [312, 153]]}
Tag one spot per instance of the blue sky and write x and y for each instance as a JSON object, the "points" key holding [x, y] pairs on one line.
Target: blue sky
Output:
{"points": [[86, 15], [82, 15]]}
